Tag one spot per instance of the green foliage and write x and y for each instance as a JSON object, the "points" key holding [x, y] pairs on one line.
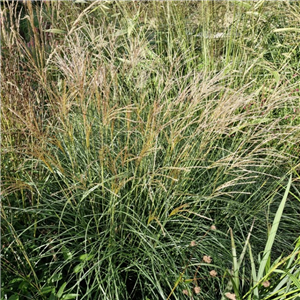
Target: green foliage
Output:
{"points": [[265, 281], [131, 131]]}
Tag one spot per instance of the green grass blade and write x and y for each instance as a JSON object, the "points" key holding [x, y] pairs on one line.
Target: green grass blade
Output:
{"points": [[235, 263], [253, 271], [273, 232]]}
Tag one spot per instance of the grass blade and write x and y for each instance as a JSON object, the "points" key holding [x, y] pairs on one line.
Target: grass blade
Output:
{"points": [[273, 232]]}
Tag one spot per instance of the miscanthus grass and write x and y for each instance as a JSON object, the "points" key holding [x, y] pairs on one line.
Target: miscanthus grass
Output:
{"points": [[142, 143]]}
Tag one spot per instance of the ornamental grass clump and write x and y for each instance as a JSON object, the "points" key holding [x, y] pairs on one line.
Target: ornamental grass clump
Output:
{"points": [[126, 142]]}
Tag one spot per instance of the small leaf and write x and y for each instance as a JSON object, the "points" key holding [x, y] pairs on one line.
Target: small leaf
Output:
{"points": [[86, 257], [56, 277], [14, 297], [16, 280], [61, 290], [78, 268], [47, 289]]}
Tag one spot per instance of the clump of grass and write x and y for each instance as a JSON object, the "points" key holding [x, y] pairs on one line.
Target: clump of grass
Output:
{"points": [[132, 144]]}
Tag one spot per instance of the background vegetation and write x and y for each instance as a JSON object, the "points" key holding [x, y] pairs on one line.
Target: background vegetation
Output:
{"points": [[150, 150]]}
